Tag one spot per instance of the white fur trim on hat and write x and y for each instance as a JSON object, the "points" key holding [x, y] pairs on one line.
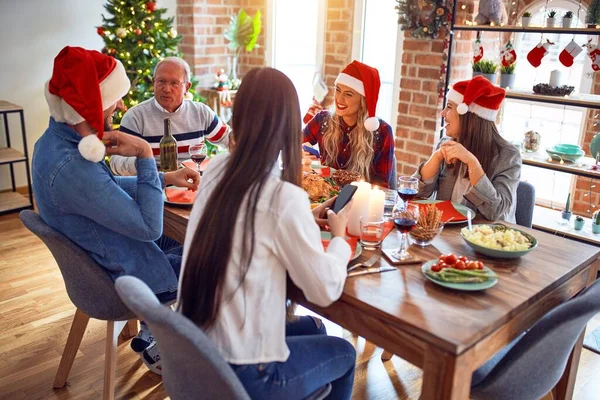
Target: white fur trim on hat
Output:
{"points": [[60, 110], [351, 82], [483, 112], [372, 124], [92, 148], [455, 97]]}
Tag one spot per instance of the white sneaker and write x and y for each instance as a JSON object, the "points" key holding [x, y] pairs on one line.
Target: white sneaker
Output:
{"points": [[151, 358]]}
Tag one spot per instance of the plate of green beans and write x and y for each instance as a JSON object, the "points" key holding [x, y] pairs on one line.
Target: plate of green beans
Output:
{"points": [[460, 279]]}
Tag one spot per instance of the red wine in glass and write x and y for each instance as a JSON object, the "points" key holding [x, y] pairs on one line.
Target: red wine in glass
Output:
{"points": [[198, 158], [407, 194], [404, 225]]}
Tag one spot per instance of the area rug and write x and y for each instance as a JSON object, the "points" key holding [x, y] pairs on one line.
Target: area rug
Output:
{"points": [[592, 341]]}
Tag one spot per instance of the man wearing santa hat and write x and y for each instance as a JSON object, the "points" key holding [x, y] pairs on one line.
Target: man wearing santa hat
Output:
{"points": [[191, 122], [474, 165], [349, 135], [115, 219]]}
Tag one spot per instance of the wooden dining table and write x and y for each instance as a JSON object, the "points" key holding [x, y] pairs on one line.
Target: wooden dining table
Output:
{"points": [[449, 333]]}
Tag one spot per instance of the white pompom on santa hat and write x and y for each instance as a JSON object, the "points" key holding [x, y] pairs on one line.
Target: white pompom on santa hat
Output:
{"points": [[84, 83], [365, 80], [479, 96]]}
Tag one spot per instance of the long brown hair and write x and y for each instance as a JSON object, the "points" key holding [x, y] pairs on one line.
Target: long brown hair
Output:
{"points": [[480, 137], [265, 122], [361, 142]]}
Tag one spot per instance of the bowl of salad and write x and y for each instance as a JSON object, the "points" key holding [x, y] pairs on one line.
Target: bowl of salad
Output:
{"points": [[499, 241]]}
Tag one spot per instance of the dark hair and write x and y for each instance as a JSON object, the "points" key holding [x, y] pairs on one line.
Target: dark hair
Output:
{"points": [[480, 137], [265, 122]]}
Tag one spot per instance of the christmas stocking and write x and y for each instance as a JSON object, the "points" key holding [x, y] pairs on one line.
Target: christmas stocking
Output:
{"points": [[594, 54], [538, 52], [569, 53], [508, 55], [477, 51]]}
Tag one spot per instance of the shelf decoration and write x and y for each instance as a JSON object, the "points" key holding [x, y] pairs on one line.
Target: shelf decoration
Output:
{"points": [[548, 90], [491, 12], [592, 17], [508, 55], [477, 51], [443, 69], [569, 53], [424, 18], [594, 54], [538, 52]]}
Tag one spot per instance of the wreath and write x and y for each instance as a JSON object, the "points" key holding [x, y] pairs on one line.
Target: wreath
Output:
{"points": [[424, 18]]}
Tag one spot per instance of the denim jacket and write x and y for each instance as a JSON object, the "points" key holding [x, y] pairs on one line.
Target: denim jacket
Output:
{"points": [[115, 219]]}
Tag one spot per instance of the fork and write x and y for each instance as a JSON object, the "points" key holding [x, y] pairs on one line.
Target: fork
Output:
{"points": [[367, 264]]}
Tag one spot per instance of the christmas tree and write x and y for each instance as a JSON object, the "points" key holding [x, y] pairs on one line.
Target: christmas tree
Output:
{"points": [[593, 13], [137, 33]]}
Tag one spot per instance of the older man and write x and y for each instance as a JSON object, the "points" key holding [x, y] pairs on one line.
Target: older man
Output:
{"points": [[115, 219], [191, 121]]}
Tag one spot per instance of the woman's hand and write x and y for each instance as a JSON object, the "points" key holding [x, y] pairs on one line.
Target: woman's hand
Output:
{"points": [[123, 144], [181, 178], [338, 222], [453, 151], [320, 212]]}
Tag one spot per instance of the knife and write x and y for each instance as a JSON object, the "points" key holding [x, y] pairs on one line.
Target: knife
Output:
{"points": [[372, 270]]}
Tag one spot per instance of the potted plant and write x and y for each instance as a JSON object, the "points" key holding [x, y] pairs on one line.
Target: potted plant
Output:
{"points": [[551, 20], [579, 222], [592, 17], [596, 222], [567, 19], [242, 34], [566, 213], [487, 69], [525, 19], [507, 76]]}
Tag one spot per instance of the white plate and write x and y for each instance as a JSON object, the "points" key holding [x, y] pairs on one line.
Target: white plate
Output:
{"points": [[459, 207], [327, 236], [175, 203]]}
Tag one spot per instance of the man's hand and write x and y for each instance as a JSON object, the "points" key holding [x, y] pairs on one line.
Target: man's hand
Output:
{"points": [[181, 178], [123, 144]]}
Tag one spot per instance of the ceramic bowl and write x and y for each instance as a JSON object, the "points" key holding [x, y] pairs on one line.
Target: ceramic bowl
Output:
{"points": [[496, 253], [567, 149], [558, 156]]}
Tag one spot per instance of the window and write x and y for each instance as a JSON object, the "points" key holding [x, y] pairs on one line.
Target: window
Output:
{"points": [[298, 41], [555, 123], [377, 24]]}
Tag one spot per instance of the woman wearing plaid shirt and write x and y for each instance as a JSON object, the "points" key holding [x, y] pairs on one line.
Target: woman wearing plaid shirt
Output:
{"points": [[350, 136]]}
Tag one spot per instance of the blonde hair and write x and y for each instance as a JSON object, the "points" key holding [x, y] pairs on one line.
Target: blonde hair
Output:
{"points": [[361, 142]]}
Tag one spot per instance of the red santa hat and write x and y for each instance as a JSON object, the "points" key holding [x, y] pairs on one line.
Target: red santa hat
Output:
{"points": [[84, 83], [477, 95], [365, 80]]}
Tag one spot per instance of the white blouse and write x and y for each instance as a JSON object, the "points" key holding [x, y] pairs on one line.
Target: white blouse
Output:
{"points": [[250, 326]]}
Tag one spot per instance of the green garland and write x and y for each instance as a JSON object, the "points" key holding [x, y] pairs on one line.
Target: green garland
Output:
{"points": [[424, 18]]}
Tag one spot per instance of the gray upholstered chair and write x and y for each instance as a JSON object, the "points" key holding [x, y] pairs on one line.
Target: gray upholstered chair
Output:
{"points": [[525, 204], [531, 366], [393, 183], [93, 293], [191, 366]]}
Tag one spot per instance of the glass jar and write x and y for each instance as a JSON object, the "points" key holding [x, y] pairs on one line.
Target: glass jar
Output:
{"points": [[531, 141]]}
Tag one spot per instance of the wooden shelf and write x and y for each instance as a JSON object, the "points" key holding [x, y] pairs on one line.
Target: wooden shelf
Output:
{"points": [[548, 220], [8, 155], [581, 168], [13, 201], [5, 106], [528, 29], [576, 100]]}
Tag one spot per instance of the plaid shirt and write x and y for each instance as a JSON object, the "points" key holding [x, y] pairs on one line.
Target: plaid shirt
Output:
{"points": [[383, 145]]}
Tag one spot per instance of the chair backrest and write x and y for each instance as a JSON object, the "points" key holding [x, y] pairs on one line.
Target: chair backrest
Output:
{"points": [[191, 366], [393, 183], [88, 285], [525, 204], [533, 366]]}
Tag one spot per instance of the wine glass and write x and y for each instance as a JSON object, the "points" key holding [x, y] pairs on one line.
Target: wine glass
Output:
{"points": [[408, 187], [198, 153], [405, 219]]}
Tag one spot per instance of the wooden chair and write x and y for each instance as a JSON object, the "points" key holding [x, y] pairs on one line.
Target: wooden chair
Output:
{"points": [[93, 293]]}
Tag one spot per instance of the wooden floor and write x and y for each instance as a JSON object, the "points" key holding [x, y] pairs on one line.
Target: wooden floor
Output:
{"points": [[35, 316]]}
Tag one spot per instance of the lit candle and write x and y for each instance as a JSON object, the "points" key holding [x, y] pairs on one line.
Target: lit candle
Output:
{"points": [[555, 78], [360, 206], [376, 201]]}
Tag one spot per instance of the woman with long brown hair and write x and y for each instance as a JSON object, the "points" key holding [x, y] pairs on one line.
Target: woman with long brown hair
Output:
{"points": [[474, 165], [349, 135], [250, 229]]}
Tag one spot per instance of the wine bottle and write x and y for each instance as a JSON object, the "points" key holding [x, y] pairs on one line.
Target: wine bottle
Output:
{"points": [[168, 149]]}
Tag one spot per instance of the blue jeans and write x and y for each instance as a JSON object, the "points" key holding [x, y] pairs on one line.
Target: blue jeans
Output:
{"points": [[174, 252], [315, 360]]}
